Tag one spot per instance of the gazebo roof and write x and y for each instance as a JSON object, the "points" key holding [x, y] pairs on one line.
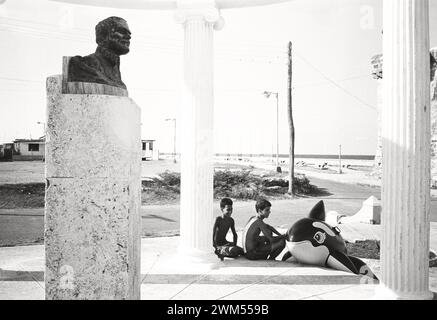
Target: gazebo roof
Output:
{"points": [[168, 4]]}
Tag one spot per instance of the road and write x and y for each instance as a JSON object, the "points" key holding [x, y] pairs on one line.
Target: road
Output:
{"points": [[25, 226]]}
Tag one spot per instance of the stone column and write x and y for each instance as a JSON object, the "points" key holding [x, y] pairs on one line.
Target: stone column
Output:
{"points": [[406, 147], [197, 126], [92, 221]]}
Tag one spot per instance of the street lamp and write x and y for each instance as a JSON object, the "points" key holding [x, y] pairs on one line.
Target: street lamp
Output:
{"points": [[267, 94], [174, 138]]}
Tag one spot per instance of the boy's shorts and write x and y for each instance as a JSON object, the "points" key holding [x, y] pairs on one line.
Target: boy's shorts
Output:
{"points": [[229, 250], [259, 253]]}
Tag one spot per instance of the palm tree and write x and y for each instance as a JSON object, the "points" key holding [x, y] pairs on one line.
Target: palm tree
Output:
{"points": [[290, 122]]}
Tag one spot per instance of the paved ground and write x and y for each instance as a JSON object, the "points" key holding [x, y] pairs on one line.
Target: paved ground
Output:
{"points": [[26, 226], [21, 172], [168, 276], [33, 171]]}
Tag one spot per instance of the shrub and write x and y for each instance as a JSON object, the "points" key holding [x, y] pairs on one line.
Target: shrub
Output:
{"points": [[246, 185], [241, 184], [166, 179], [169, 178], [302, 185]]}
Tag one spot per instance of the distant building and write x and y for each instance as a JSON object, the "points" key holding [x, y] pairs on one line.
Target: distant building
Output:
{"points": [[7, 150], [149, 150], [29, 149]]}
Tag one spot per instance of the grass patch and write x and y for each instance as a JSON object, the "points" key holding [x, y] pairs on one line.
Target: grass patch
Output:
{"points": [[28, 195], [370, 249], [367, 249], [162, 189]]}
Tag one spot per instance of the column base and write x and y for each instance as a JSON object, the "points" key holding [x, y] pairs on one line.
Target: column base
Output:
{"points": [[196, 260], [384, 293]]}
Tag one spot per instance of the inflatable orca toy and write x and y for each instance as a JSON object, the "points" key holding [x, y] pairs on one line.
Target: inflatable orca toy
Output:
{"points": [[312, 241]]}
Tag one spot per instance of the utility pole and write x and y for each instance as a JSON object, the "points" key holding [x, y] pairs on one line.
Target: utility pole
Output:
{"points": [[339, 160], [290, 119]]}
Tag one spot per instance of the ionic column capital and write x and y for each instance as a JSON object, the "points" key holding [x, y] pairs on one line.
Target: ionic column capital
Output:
{"points": [[195, 10]]}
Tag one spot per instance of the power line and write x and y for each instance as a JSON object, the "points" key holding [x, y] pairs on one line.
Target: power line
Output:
{"points": [[222, 91], [21, 80], [238, 54], [25, 28], [168, 49], [275, 47], [327, 82], [335, 83], [172, 49]]}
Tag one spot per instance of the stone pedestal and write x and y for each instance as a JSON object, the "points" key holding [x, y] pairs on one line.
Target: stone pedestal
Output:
{"points": [[92, 220], [406, 148], [197, 124]]}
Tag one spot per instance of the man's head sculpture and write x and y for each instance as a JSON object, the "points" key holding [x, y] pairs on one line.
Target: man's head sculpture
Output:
{"points": [[113, 40], [312, 241], [113, 34]]}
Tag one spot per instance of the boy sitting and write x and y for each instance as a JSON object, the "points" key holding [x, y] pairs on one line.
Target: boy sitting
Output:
{"points": [[224, 248], [257, 247]]}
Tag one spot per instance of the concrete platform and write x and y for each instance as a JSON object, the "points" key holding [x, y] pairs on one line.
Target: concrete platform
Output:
{"points": [[169, 277], [166, 275]]}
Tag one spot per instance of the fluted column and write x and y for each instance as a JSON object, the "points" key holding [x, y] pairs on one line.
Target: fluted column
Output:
{"points": [[406, 147], [197, 126]]}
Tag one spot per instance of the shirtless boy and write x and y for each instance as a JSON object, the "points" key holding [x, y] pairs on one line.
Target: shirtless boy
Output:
{"points": [[224, 248], [267, 246]]}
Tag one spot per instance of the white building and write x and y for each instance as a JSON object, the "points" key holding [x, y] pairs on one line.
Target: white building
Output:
{"points": [[149, 150], [29, 149]]}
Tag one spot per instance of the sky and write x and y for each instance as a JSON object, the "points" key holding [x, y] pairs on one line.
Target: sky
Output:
{"points": [[334, 94]]}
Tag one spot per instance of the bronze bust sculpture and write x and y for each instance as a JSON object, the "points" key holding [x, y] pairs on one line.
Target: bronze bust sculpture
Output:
{"points": [[103, 66]]}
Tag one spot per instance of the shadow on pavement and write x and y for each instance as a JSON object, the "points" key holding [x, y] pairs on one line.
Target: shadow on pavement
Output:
{"points": [[13, 275]]}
